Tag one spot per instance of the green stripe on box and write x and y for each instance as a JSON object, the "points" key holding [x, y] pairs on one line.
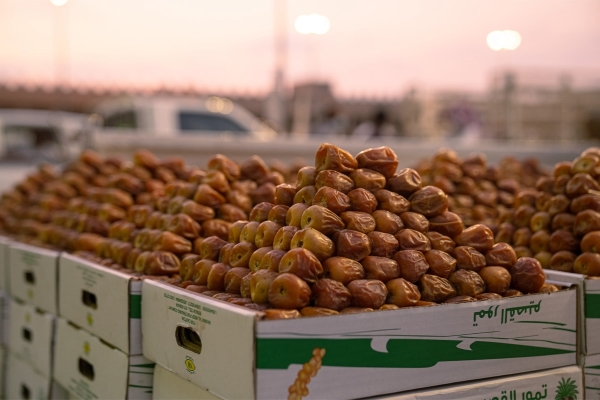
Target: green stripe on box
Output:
{"points": [[135, 306], [592, 305], [401, 353], [593, 367]]}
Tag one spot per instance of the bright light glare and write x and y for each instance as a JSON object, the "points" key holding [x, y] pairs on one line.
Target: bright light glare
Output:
{"points": [[503, 40], [59, 3], [313, 23], [219, 105]]}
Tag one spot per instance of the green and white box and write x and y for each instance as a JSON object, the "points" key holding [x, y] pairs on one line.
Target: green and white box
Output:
{"points": [[34, 276], [591, 373], [90, 369], [214, 344], [104, 301], [589, 307], [31, 336], [24, 382], [4, 262], [558, 383]]}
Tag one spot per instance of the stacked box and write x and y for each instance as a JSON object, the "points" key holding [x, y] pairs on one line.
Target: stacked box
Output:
{"points": [[24, 382], [4, 262], [99, 341], [90, 369], [212, 344], [34, 276], [589, 307]]}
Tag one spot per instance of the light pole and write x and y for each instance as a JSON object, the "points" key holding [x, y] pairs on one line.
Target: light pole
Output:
{"points": [[498, 41], [61, 43], [307, 25]]}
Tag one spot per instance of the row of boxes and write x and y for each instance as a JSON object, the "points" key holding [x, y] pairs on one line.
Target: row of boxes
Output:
{"points": [[233, 354]]}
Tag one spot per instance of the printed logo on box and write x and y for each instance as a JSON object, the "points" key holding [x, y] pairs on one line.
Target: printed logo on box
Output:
{"points": [[189, 365], [507, 314], [565, 390], [86, 348], [90, 319]]}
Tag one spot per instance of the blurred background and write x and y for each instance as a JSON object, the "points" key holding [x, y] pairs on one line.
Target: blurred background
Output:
{"points": [[278, 77]]}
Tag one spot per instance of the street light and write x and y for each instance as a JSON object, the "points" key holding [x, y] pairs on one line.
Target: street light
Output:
{"points": [[503, 40], [59, 3], [313, 23]]}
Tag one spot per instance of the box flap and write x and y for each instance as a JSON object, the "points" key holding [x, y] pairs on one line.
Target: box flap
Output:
{"points": [[24, 382], [98, 299], [31, 336], [87, 367], [33, 276], [209, 342]]}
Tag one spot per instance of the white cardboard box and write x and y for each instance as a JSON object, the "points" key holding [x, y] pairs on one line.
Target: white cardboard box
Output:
{"points": [[24, 382], [103, 301], [4, 262], [212, 344], [589, 309], [591, 373], [34, 276], [170, 386], [4, 317], [31, 336], [90, 369], [567, 380]]}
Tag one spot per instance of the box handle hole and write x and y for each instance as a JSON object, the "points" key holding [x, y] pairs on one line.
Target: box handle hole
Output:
{"points": [[188, 339], [29, 277], [27, 335], [86, 369], [25, 392], [89, 299]]}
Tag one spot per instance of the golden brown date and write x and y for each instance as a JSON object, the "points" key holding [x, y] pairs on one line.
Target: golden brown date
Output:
{"points": [[405, 182], [330, 157]]}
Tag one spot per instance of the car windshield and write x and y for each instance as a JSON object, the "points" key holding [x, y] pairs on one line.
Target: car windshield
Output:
{"points": [[195, 121]]}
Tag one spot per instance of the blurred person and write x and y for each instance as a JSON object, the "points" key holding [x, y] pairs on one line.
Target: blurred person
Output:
{"points": [[377, 127]]}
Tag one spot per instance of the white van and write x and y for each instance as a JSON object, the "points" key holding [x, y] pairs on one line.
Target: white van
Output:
{"points": [[171, 117]]}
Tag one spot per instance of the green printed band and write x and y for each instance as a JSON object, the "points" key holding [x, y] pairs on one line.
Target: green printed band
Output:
{"points": [[135, 306], [592, 305], [402, 353]]}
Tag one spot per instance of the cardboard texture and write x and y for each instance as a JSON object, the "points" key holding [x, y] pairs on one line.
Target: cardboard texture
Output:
{"points": [[365, 354], [103, 301], [31, 336], [34, 276], [24, 382], [589, 309], [591, 374], [4, 262], [169, 386], [2, 373], [90, 369], [4, 317]]}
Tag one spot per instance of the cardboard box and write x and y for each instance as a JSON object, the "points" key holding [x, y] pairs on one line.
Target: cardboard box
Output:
{"points": [[34, 276], [24, 382], [91, 369], [214, 344], [4, 262], [4, 317], [589, 310], [567, 381], [170, 386], [591, 374], [31, 336], [2, 373], [103, 301]]}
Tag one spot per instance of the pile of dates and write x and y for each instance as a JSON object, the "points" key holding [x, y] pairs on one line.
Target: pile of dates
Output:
{"points": [[140, 216], [558, 221], [355, 234], [480, 193]]}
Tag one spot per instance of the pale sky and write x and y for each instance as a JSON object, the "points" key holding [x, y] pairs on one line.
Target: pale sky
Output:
{"points": [[374, 47]]}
